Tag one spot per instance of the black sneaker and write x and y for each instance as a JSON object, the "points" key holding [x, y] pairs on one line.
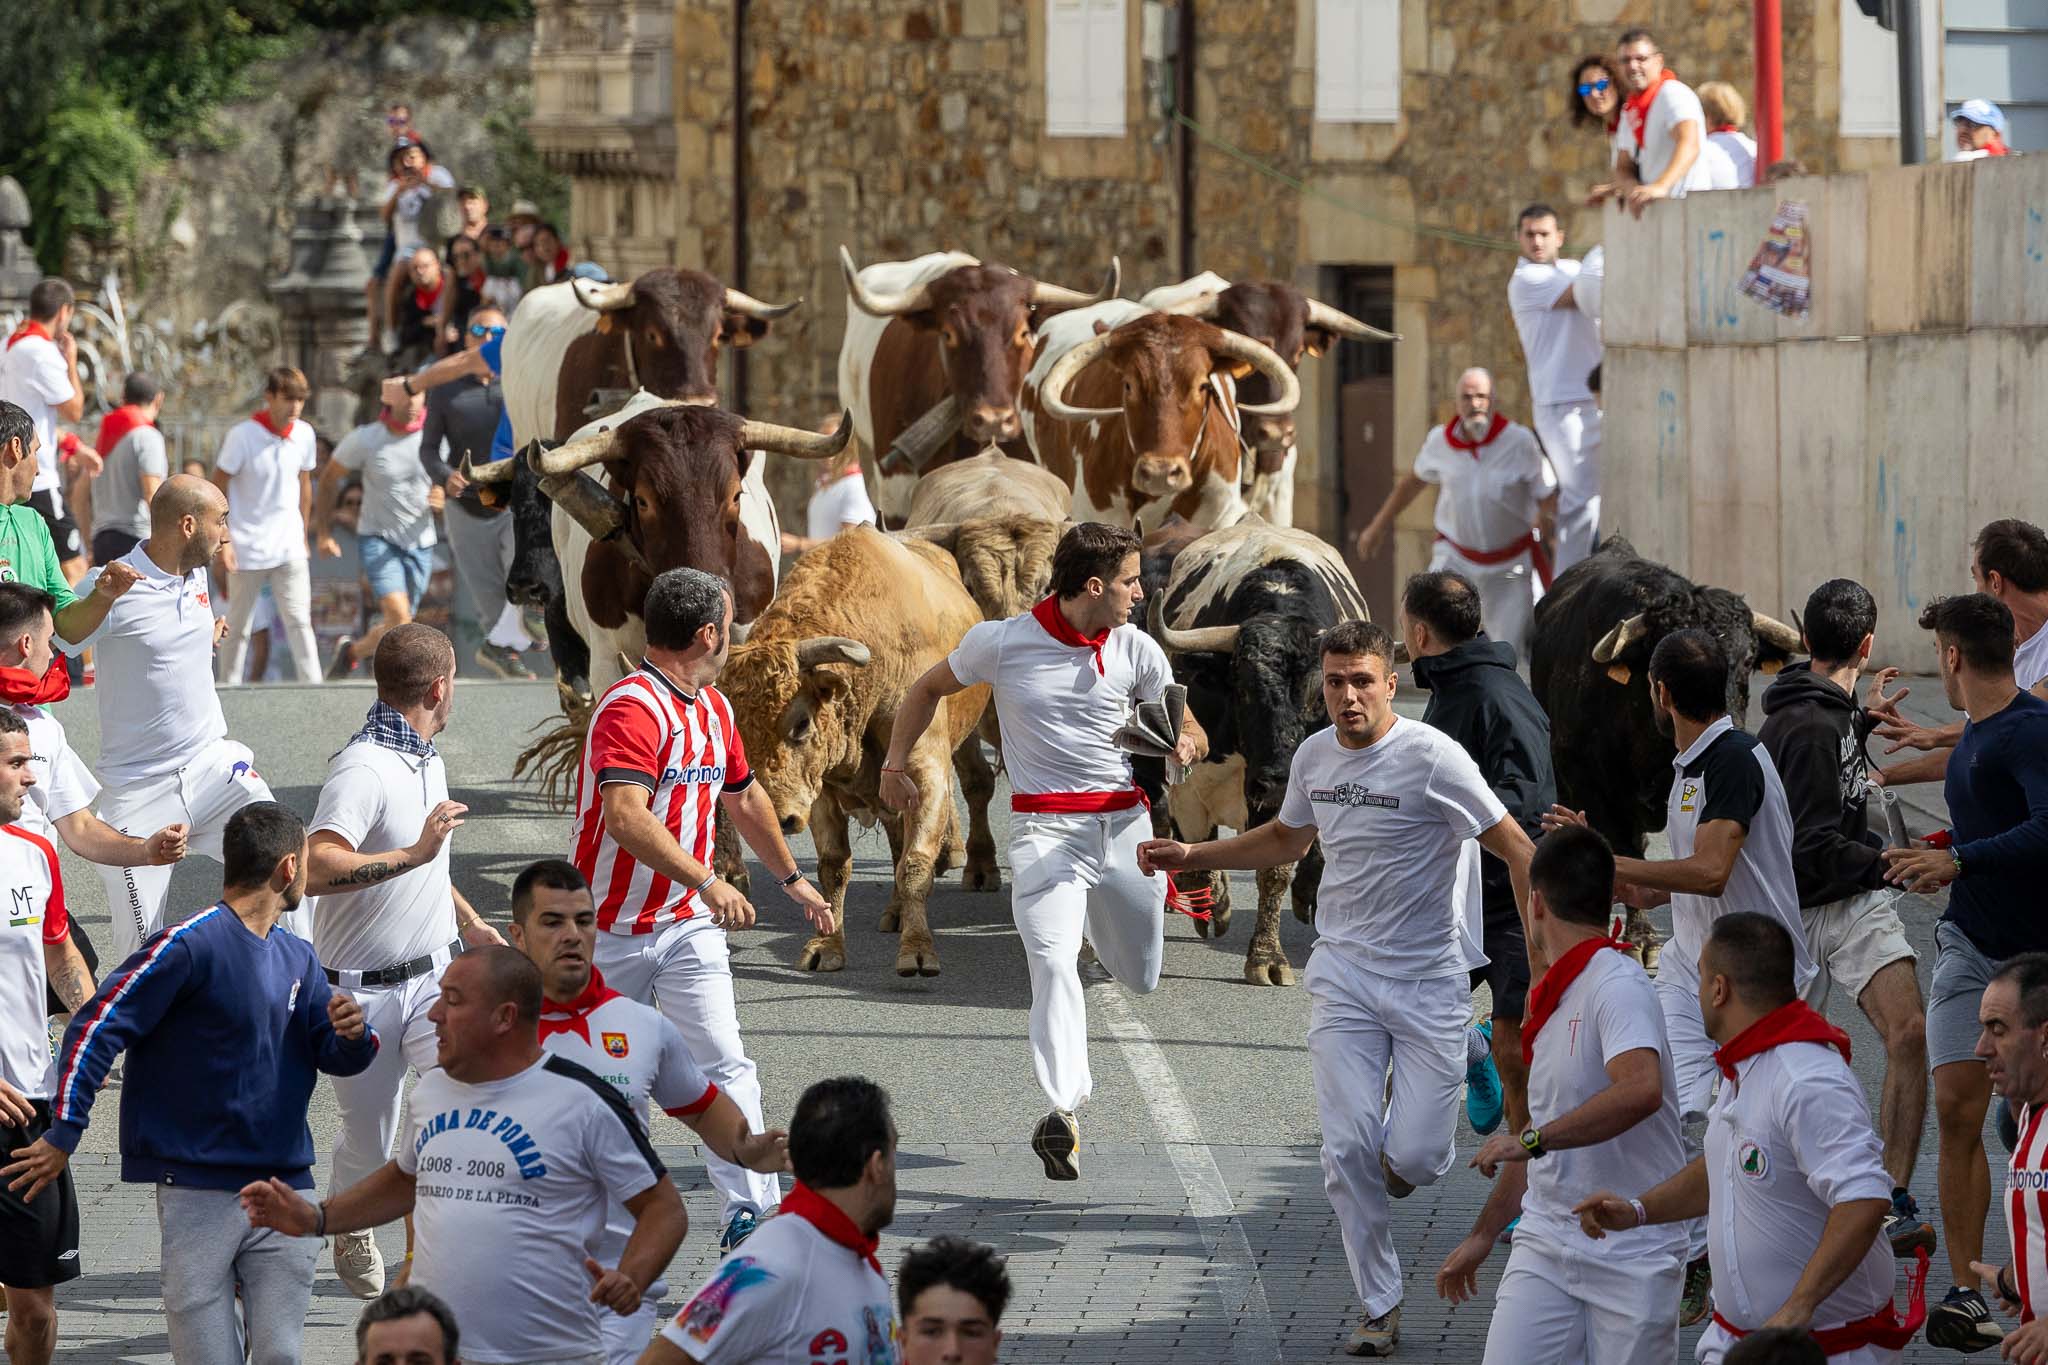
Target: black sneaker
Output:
{"points": [[1962, 1322], [1904, 1229], [343, 663], [1057, 1142], [504, 661]]}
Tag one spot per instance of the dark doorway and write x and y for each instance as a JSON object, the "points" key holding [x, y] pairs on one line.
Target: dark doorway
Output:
{"points": [[1365, 423]]}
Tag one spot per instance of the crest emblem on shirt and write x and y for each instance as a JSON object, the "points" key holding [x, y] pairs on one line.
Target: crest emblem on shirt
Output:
{"points": [[614, 1044], [1688, 795], [1353, 794], [1752, 1161]]}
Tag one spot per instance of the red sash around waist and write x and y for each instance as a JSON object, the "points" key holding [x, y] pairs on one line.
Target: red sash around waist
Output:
{"points": [[1884, 1328], [1076, 803], [1528, 544]]}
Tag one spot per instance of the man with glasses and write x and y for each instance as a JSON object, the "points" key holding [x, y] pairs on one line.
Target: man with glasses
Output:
{"points": [[464, 294], [1658, 142]]}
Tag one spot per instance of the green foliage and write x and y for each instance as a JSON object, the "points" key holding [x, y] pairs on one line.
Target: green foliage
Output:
{"points": [[522, 172], [82, 175]]}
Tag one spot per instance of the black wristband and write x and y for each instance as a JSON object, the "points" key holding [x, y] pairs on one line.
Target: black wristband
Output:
{"points": [[320, 1219], [406, 383], [792, 879]]}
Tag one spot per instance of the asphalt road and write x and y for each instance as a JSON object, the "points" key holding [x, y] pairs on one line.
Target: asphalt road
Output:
{"points": [[1199, 1230]]}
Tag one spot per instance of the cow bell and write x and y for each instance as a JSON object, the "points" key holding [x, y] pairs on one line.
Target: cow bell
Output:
{"points": [[596, 511]]}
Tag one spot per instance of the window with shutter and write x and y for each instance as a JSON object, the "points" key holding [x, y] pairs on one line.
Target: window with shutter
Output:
{"points": [[1084, 68], [1358, 61]]}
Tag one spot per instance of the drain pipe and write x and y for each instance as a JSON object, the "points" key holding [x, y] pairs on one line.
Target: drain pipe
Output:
{"points": [[739, 190]]}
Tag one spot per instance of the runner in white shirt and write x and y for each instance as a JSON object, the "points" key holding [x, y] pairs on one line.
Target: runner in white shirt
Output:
{"points": [[1730, 831], [165, 755], [386, 918], [266, 469], [1398, 805], [1662, 131], [838, 500], [1791, 1184], [630, 1047], [1603, 1104], [1561, 341], [39, 372], [1494, 512], [1065, 676], [808, 1289], [510, 1162], [2014, 1048]]}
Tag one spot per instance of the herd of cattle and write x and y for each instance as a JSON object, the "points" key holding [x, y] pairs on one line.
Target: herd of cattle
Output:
{"points": [[995, 408]]}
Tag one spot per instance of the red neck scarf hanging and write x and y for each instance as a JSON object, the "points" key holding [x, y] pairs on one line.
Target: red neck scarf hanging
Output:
{"points": [[1995, 147], [425, 299], [1725, 128], [1454, 432], [31, 328], [1637, 106], [573, 1016], [1797, 1022], [117, 424], [419, 419], [261, 417], [829, 1219], [1546, 995], [1049, 615], [20, 687]]}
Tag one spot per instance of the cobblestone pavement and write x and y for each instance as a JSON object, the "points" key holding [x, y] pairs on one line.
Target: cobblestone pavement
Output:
{"points": [[1198, 1232]]}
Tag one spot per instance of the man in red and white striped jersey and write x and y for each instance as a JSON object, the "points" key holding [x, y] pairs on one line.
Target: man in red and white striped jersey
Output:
{"points": [[2014, 1049], [663, 754]]}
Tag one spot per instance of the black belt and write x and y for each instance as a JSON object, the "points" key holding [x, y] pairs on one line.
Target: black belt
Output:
{"points": [[398, 973]]}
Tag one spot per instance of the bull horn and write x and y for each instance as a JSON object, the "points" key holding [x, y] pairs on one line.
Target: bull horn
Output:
{"points": [[604, 298], [795, 441], [1058, 296], [1052, 389], [830, 649], [1205, 306], [490, 471], [877, 304], [748, 306], [1775, 633], [1616, 641], [740, 631], [1201, 640], [574, 455], [1321, 315], [1237, 346]]}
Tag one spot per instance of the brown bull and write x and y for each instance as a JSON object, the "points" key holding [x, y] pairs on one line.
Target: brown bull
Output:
{"points": [[816, 688]]}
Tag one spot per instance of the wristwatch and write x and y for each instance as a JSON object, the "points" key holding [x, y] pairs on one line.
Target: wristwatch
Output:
{"points": [[406, 384], [1532, 1142], [792, 879]]}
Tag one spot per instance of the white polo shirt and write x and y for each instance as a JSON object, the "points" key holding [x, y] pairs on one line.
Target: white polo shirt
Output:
{"points": [[1487, 496], [64, 785], [34, 915], [1726, 774], [790, 1296], [35, 377], [1675, 104], [155, 652], [1609, 1009], [378, 800], [1058, 713], [1400, 887], [264, 470], [1561, 345], [514, 1177], [1789, 1140]]}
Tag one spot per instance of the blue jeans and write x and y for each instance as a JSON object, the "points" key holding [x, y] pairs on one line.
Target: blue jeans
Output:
{"points": [[393, 568]]}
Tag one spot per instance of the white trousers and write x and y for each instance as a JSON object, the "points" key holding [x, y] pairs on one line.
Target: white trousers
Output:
{"points": [[1360, 1024], [291, 588], [1717, 1341], [1076, 874], [1507, 593], [1558, 1307], [1570, 433], [685, 971], [369, 1101], [202, 795], [1692, 1058]]}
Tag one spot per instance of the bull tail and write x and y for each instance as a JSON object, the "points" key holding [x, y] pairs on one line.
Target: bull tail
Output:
{"points": [[553, 758]]}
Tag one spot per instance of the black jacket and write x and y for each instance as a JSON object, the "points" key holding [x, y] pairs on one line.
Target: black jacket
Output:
{"points": [[1814, 733], [1477, 698]]}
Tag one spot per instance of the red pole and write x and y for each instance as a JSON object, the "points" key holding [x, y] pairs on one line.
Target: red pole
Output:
{"points": [[1770, 86]]}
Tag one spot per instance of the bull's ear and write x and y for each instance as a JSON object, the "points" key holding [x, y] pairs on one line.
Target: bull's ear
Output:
{"points": [[604, 324], [740, 331], [1317, 341]]}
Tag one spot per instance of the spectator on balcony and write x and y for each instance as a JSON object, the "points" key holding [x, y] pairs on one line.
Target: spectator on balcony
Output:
{"points": [[504, 271], [1980, 130], [414, 181], [1596, 95], [1661, 132], [134, 463], [463, 294], [1726, 112], [547, 258], [419, 308]]}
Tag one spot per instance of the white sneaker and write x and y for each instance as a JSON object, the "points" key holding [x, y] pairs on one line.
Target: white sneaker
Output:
{"points": [[359, 1263]]}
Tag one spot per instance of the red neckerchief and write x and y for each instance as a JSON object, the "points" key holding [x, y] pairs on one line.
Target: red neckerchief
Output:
{"points": [[475, 280], [1639, 103], [1455, 435], [561, 261], [118, 424], [261, 417], [1995, 147], [67, 445], [829, 1219], [1049, 615], [425, 299], [31, 328], [419, 419], [21, 687], [1725, 128], [1797, 1022], [573, 1016], [1547, 994]]}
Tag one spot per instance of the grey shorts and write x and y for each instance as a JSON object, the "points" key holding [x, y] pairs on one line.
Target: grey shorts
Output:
{"points": [[1960, 975], [1851, 940]]}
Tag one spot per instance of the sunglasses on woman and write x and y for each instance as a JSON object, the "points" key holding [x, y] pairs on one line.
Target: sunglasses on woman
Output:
{"points": [[1595, 87], [477, 329]]}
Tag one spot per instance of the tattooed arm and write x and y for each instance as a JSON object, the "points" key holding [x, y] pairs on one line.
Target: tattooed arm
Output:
{"points": [[70, 978], [333, 866]]}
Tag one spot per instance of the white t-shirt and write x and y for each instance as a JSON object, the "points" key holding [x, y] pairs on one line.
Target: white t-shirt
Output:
{"points": [[790, 1296], [1487, 496], [2030, 660], [378, 799], [1058, 714], [1562, 345], [1400, 887], [837, 505], [514, 1177], [1740, 149], [405, 219], [1675, 104], [1721, 172], [1789, 1140], [64, 785], [35, 377], [639, 1053], [158, 708], [264, 469], [35, 916], [1609, 1009], [395, 485]]}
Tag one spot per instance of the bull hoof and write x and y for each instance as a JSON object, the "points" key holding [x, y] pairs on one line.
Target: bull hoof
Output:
{"points": [[1206, 928], [1219, 918], [892, 920], [1258, 972], [981, 874], [920, 960], [950, 857], [739, 880], [822, 955]]}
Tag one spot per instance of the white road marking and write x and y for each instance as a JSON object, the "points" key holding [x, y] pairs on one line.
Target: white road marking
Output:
{"points": [[1234, 1272]]}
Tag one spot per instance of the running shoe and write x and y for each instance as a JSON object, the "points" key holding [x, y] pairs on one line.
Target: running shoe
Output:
{"points": [[738, 1228], [1904, 1229], [359, 1263], [1376, 1336], [343, 663], [1057, 1142], [1962, 1322], [1485, 1101], [504, 661], [1698, 1299]]}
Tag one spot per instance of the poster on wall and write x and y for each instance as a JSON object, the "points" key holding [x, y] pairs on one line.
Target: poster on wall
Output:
{"points": [[1779, 275]]}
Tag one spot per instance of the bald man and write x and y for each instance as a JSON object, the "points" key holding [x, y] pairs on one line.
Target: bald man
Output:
{"points": [[165, 755], [1496, 506]]}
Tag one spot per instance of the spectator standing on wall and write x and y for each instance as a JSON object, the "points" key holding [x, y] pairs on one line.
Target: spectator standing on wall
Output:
{"points": [[419, 306], [1662, 129], [134, 463], [1726, 112], [1980, 131]]}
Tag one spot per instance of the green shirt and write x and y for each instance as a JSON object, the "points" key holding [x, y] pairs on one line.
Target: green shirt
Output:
{"points": [[28, 555]]}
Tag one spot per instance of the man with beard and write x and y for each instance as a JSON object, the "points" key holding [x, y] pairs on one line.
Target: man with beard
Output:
{"points": [[808, 1285], [228, 1021], [1494, 508]]}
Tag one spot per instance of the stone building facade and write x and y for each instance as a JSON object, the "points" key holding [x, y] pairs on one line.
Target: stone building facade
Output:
{"points": [[904, 126]]}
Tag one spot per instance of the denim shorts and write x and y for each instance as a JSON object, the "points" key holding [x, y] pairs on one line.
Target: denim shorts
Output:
{"points": [[392, 569]]}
